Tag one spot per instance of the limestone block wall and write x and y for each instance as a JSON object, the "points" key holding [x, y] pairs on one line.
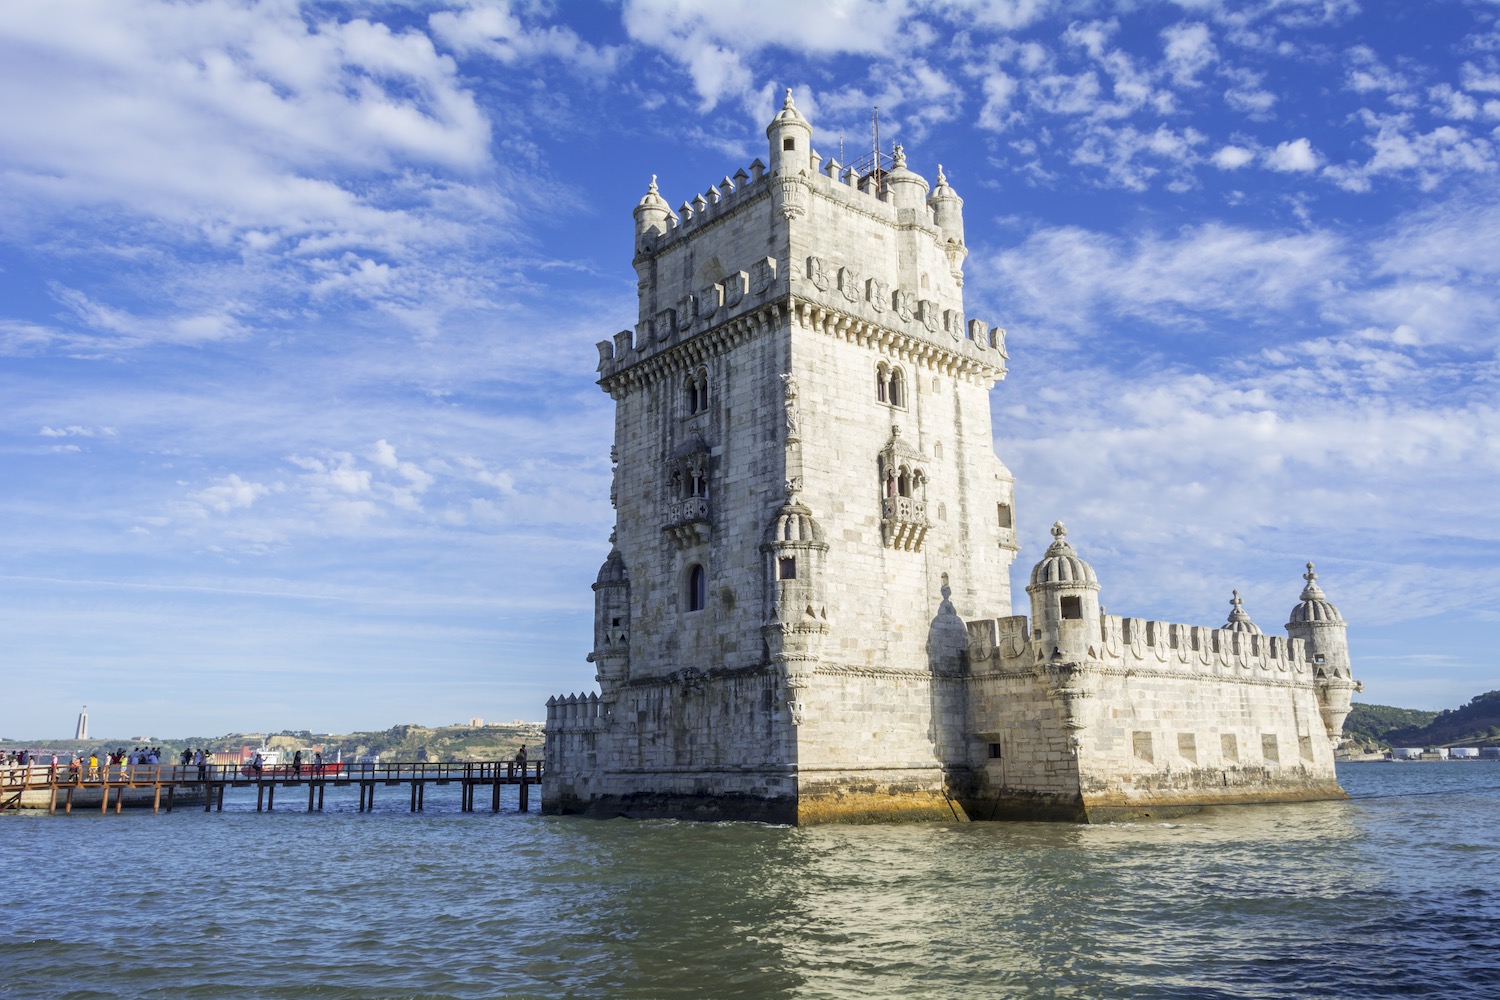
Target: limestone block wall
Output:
{"points": [[705, 746], [659, 437], [1020, 750], [1176, 712]]}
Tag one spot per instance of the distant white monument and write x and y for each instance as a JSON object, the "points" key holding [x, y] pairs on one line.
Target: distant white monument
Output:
{"points": [[82, 732]]}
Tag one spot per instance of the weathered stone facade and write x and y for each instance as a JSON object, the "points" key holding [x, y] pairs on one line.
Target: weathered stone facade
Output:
{"points": [[812, 524]]}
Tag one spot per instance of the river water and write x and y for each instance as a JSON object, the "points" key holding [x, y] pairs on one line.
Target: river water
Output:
{"points": [[1393, 893]]}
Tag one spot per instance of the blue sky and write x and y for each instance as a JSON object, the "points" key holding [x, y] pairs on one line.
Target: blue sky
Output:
{"points": [[297, 305]]}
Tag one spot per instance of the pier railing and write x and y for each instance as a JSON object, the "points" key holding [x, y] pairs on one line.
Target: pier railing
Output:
{"points": [[24, 785]]}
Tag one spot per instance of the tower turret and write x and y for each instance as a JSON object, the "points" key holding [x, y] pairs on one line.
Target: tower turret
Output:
{"points": [[611, 655], [796, 610], [905, 188], [948, 213], [1064, 602], [1319, 624], [790, 139], [651, 215]]}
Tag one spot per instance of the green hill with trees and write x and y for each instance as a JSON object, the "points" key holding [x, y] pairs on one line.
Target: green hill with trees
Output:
{"points": [[1476, 724]]}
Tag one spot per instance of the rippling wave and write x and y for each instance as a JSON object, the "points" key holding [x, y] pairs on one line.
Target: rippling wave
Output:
{"points": [[1390, 894]]}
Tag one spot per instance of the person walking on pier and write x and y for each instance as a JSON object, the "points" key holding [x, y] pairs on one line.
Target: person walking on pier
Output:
{"points": [[201, 760], [256, 764], [297, 764]]}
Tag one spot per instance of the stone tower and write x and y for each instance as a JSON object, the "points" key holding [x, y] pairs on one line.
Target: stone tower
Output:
{"points": [[808, 503]]}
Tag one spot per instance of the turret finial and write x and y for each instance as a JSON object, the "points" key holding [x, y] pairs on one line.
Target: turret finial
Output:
{"points": [[1239, 621], [898, 158], [787, 105], [1309, 576], [652, 187], [1059, 530], [940, 178]]}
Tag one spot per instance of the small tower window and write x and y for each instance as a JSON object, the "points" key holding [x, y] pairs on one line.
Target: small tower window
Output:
{"points": [[890, 385], [1072, 608], [788, 144], [696, 391], [1002, 514], [697, 589], [786, 568]]}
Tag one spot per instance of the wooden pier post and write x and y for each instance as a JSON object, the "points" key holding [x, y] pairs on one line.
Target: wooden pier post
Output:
{"points": [[260, 795], [495, 791], [525, 789]]}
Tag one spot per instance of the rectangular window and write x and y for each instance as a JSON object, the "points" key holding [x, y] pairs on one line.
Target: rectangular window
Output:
{"points": [[994, 751], [1268, 748], [1072, 607], [1229, 747], [786, 569], [1002, 512], [1187, 746], [1142, 745]]}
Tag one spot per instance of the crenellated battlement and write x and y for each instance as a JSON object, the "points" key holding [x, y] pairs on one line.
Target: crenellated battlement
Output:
{"points": [[575, 713], [1142, 645]]}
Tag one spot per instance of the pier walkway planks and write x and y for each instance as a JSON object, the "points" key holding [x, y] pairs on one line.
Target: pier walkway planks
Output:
{"points": [[38, 786]]}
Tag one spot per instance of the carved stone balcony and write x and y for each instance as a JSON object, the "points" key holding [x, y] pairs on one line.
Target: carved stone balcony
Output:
{"points": [[903, 522], [687, 521]]}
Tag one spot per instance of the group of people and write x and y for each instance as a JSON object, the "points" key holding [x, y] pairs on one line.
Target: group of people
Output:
{"points": [[95, 764]]}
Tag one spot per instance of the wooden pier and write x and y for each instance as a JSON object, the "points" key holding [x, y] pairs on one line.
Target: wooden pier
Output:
{"points": [[38, 786]]}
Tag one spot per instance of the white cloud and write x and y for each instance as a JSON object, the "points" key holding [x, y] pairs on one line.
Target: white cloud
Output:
{"points": [[1428, 157], [713, 41], [1293, 156], [1189, 50], [493, 28], [231, 493], [1232, 157]]}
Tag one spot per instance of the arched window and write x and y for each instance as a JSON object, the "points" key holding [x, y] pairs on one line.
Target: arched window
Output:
{"points": [[898, 388], [695, 391], [903, 482], [697, 589]]}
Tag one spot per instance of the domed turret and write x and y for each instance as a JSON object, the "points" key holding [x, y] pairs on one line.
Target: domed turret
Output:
{"points": [[796, 610], [1064, 602], [1239, 621], [1061, 564], [651, 214], [613, 570], [1318, 624], [948, 213], [1314, 607], [611, 655], [905, 188], [790, 139]]}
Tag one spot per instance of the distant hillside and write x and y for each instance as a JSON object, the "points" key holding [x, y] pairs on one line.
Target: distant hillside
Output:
{"points": [[404, 743], [1474, 724], [1369, 725]]}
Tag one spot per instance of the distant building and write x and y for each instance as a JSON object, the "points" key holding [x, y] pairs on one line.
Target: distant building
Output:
{"points": [[476, 723], [81, 731], [805, 615]]}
